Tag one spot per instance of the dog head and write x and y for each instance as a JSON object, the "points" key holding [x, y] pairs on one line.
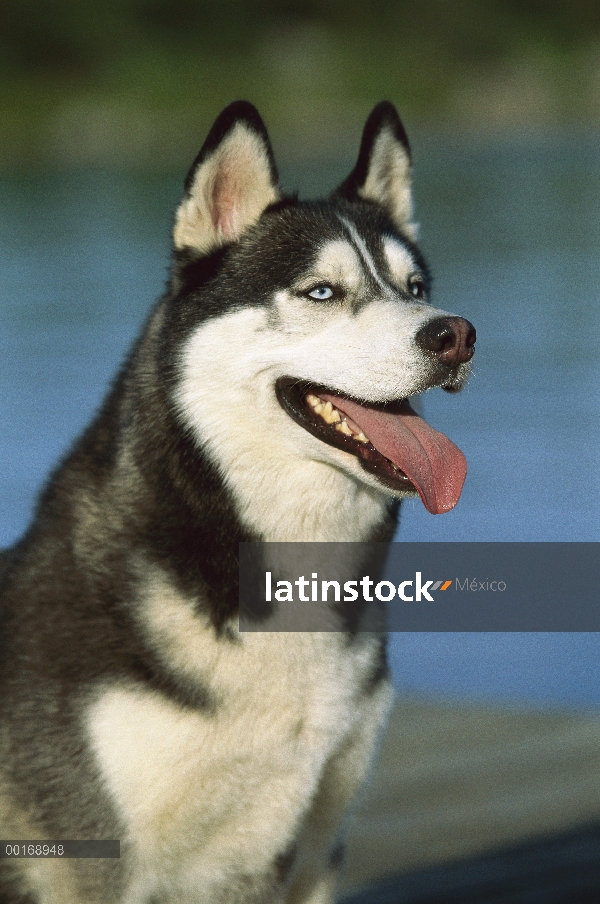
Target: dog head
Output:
{"points": [[304, 327]]}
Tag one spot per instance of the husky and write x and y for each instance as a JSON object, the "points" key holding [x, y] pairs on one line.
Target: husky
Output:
{"points": [[266, 400]]}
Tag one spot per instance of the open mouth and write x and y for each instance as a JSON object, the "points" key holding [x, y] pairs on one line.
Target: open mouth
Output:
{"points": [[391, 441]]}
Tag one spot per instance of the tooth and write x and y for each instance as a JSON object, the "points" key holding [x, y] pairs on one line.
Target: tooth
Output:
{"points": [[319, 407], [354, 427], [331, 415], [362, 438], [344, 428], [312, 399]]}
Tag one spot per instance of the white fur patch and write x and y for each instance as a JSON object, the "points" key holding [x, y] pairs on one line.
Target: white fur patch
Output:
{"points": [[338, 263], [399, 260]]}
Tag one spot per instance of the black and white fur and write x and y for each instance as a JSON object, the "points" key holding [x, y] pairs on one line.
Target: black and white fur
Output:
{"points": [[131, 705]]}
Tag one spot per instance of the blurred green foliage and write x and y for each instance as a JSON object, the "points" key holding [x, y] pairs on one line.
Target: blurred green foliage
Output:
{"points": [[129, 80]]}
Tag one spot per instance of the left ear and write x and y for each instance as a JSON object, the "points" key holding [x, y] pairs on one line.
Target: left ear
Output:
{"points": [[383, 171], [231, 182]]}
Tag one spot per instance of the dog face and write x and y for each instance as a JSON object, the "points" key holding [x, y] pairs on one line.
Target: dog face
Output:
{"points": [[305, 327]]}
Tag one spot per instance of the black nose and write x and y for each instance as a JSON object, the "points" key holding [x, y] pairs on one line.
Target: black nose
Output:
{"points": [[450, 338]]}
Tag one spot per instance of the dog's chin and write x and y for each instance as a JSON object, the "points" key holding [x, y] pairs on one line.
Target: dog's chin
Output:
{"points": [[331, 427], [457, 379]]}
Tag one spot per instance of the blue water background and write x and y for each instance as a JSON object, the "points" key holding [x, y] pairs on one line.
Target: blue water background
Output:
{"points": [[512, 232]]}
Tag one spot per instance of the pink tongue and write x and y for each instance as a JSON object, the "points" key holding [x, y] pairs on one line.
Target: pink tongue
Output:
{"points": [[429, 459]]}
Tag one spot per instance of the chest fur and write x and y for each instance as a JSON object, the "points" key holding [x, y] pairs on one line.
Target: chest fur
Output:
{"points": [[201, 789]]}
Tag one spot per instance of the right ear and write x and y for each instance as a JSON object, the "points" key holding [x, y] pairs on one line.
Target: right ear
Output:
{"points": [[383, 170], [231, 182]]}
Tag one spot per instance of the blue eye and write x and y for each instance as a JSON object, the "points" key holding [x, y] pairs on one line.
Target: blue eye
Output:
{"points": [[321, 293]]}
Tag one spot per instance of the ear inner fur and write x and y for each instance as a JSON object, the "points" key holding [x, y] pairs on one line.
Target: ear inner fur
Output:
{"points": [[230, 184], [383, 171]]}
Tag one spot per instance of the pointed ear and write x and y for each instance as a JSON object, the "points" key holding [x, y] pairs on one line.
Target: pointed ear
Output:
{"points": [[383, 171], [232, 180]]}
